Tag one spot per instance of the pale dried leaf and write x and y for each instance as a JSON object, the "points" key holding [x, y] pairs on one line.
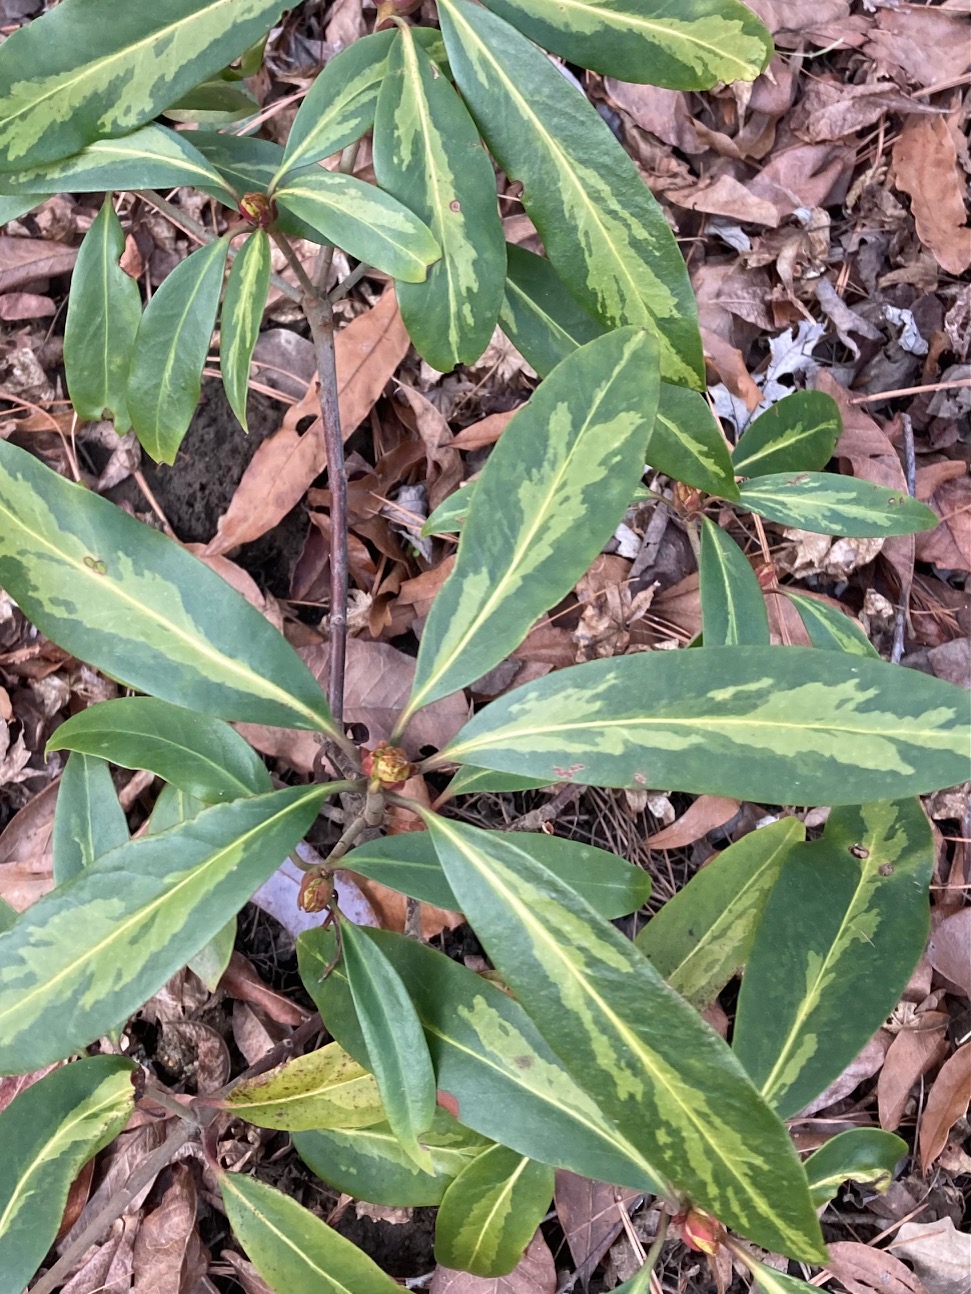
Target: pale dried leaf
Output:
{"points": [[535, 1274], [949, 949], [938, 1252], [24, 260], [865, 1270]]}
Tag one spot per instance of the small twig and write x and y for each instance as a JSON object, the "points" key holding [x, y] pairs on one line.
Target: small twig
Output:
{"points": [[911, 390], [657, 1244], [325, 257], [535, 819], [293, 260], [350, 281], [910, 471], [143, 1176], [412, 918]]}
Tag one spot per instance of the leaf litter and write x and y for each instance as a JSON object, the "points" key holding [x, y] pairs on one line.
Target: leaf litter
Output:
{"points": [[823, 215]]}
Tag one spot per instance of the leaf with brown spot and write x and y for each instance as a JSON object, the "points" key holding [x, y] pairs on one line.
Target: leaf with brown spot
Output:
{"points": [[946, 1103]]}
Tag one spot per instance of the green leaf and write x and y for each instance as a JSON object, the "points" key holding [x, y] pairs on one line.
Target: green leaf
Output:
{"points": [[769, 1281], [88, 818], [733, 610], [293, 1250], [428, 155], [242, 314], [363, 220], [136, 605], [602, 228], [172, 808], [150, 158], [409, 863], [798, 434], [91, 69], [865, 1155], [840, 934], [392, 1033], [47, 1134], [12, 208], [215, 102], [92, 951], [772, 724], [491, 1064], [202, 756], [371, 1163], [561, 478], [489, 1214], [686, 443], [103, 312], [539, 315], [688, 46], [830, 629], [654, 1066], [703, 935], [449, 517], [8, 915], [827, 504], [247, 165], [326, 1088], [170, 351], [472, 781]]}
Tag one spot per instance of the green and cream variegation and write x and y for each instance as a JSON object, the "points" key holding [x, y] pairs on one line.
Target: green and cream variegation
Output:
{"points": [[242, 314], [491, 1063], [688, 45], [92, 951], [291, 1248], [602, 228], [371, 1164], [830, 629], [103, 312], [840, 935], [702, 936], [864, 1155], [687, 443], [427, 153], [827, 504], [733, 610], [776, 724], [91, 69], [129, 601], [650, 1062], [150, 158], [47, 1134], [88, 817], [561, 477], [169, 354], [490, 1213], [326, 1088], [363, 220], [797, 434]]}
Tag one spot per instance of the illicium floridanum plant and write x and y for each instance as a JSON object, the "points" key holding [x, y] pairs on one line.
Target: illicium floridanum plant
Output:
{"points": [[597, 1060]]}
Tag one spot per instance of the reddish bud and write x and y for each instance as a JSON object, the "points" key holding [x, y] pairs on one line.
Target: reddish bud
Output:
{"points": [[316, 892], [258, 209], [702, 1232], [387, 765]]}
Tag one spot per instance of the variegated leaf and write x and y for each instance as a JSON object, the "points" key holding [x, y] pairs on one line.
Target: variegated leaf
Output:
{"points": [[150, 158], [47, 1134], [602, 228], [770, 1281], [92, 951], [840, 934], [291, 1248], [204, 757], [776, 724], [91, 69], [362, 220], [470, 780], [492, 1066], [135, 604], [8, 916], [103, 313], [827, 504], [867, 1156], [688, 46], [340, 104], [324, 1089], [170, 351], [428, 155], [733, 610], [830, 629], [702, 936], [247, 165], [393, 1038], [653, 1066], [561, 477], [242, 314], [797, 434], [88, 818], [409, 863], [489, 1214], [686, 443], [371, 1163]]}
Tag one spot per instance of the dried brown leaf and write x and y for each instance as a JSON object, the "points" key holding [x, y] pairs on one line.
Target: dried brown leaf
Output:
{"points": [[864, 1270], [590, 1215], [535, 1274], [24, 260], [26, 305], [862, 1067], [926, 164], [832, 109], [242, 981], [707, 813], [947, 1102], [169, 1257], [26, 857], [915, 1050], [939, 1253], [949, 949]]}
